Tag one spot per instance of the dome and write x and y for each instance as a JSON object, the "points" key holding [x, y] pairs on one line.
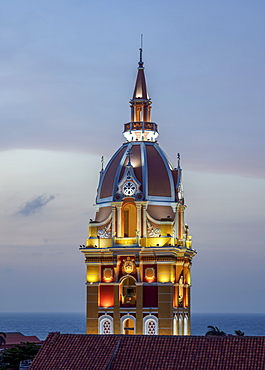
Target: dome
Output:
{"points": [[147, 167]]}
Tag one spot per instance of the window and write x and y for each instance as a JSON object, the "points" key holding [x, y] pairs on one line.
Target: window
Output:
{"points": [[106, 325], [150, 325], [129, 220], [128, 292]]}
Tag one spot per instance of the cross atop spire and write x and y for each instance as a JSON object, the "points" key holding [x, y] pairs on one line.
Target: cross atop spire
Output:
{"points": [[178, 158], [141, 57], [141, 63]]}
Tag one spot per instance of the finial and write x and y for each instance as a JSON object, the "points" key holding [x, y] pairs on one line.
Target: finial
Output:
{"points": [[141, 52], [102, 163], [129, 153], [178, 157]]}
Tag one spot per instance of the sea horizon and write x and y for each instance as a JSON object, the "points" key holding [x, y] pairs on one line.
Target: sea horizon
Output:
{"points": [[40, 324]]}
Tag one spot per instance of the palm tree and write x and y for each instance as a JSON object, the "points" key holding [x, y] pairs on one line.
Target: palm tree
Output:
{"points": [[239, 333], [215, 331], [2, 338]]}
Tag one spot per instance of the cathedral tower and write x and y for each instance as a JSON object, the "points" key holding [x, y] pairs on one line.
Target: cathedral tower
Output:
{"points": [[139, 251]]}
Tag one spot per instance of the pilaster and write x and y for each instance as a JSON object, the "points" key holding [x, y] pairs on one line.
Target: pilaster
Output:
{"points": [[139, 218], [139, 309], [116, 312], [119, 225]]}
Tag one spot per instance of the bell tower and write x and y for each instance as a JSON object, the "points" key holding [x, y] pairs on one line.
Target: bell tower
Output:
{"points": [[139, 251]]}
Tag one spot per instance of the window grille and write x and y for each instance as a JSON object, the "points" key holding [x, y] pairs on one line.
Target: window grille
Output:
{"points": [[151, 327], [106, 326]]}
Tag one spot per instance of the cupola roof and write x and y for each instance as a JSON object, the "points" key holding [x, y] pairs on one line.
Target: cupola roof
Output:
{"points": [[152, 172], [140, 90]]}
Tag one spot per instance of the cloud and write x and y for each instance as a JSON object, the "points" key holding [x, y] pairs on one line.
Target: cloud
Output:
{"points": [[35, 205]]}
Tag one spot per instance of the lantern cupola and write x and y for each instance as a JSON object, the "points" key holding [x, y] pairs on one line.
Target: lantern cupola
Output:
{"points": [[140, 128]]}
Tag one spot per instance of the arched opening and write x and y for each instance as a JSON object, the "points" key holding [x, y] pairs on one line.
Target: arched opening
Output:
{"points": [[129, 220], [181, 292], [128, 326], [180, 326], [175, 325], [185, 325], [128, 292]]}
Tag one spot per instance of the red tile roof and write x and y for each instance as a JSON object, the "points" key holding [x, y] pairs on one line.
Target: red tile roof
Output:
{"points": [[17, 338], [142, 352]]}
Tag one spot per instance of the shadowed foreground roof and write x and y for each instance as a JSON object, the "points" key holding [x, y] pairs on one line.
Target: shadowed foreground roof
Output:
{"points": [[142, 352]]}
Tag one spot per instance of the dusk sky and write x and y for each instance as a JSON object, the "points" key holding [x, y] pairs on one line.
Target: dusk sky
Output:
{"points": [[67, 72]]}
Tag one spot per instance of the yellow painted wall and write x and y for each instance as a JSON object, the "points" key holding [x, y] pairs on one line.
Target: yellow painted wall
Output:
{"points": [[92, 273], [163, 273], [92, 309]]}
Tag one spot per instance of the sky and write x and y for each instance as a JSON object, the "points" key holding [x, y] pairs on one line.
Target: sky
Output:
{"points": [[67, 72]]}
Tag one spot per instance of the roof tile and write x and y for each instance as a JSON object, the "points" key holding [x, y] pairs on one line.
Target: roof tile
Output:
{"points": [[142, 352]]}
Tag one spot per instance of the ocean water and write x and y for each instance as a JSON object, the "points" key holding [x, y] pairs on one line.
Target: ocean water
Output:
{"points": [[40, 324]]}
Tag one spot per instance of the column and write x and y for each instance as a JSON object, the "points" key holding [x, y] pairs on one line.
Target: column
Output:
{"points": [[180, 223], [118, 207], [144, 220], [113, 208], [139, 218]]}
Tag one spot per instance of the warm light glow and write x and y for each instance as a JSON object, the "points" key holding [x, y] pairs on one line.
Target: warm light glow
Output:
{"points": [[150, 280], [92, 278], [150, 274], [107, 303], [106, 296], [163, 278], [164, 273], [108, 275], [108, 280]]}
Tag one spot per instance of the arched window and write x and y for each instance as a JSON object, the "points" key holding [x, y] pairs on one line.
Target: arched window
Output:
{"points": [[180, 325], [128, 292], [185, 325], [175, 325], [128, 324], [150, 325], [106, 325], [129, 220]]}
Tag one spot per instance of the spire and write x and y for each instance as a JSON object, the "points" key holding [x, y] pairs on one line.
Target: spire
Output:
{"points": [[140, 128], [140, 90]]}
